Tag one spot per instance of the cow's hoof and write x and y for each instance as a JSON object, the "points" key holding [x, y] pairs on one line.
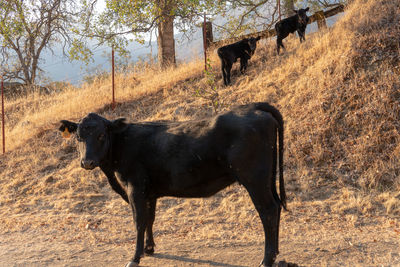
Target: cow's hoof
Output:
{"points": [[132, 264], [270, 264], [284, 264], [149, 250], [262, 264]]}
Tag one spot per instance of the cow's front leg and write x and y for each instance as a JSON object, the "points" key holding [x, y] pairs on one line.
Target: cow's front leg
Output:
{"points": [[228, 68], [243, 65], [137, 201], [149, 248], [301, 35]]}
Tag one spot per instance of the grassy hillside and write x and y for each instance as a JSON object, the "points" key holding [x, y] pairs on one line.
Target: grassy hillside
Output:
{"points": [[338, 93]]}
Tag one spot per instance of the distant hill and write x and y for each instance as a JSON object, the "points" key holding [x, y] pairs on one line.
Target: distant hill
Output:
{"points": [[59, 68]]}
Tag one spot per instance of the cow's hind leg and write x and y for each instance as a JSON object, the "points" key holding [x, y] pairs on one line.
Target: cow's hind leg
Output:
{"points": [[223, 70], [279, 43], [228, 72], [149, 244], [259, 181], [268, 209]]}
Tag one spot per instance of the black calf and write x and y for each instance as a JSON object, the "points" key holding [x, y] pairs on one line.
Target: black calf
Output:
{"points": [[228, 54], [198, 158], [291, 24]]}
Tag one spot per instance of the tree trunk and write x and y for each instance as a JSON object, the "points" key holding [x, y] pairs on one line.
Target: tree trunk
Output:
{"points": [[288, 7], [166, 42]]}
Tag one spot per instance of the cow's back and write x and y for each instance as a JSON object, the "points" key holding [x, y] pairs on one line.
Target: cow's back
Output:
{"points": [[287, 25], [233, 51]]}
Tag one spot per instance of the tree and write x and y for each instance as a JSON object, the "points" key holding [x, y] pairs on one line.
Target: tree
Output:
{"points": [[288, 8], [289, 5], [321, 4], [165, 40], [27, 28], [246, 16], [142, 18], [126, 20]]}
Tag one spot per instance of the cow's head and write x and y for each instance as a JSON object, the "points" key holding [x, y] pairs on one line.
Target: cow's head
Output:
{"points": [[302, 15], [253, 44], [93, 134]]}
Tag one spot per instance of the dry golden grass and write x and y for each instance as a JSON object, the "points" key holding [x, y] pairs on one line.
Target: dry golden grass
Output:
{"points": [[338, 93]]}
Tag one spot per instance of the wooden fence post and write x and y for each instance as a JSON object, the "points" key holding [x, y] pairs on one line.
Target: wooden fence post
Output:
{"points": [[2, 115], [321, 21], [279, 9], [112, 79], [207, 38], [208, 33], [205, 43]]}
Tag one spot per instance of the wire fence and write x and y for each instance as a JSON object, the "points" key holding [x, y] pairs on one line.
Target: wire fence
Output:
{"points": [[90, 68], [208, 42], [72, 79]]}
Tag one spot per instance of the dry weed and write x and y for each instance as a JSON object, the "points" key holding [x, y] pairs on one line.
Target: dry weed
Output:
{"points": [[338, 92]]}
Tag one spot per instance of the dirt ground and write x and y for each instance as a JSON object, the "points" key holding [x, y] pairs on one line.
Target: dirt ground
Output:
{"points": [[197, 232]]}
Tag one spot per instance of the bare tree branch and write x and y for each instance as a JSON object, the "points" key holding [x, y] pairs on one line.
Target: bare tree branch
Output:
{"points": [[27, 28]]}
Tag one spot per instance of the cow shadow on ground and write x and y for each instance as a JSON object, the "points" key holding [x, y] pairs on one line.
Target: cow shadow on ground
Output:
{"points": [[191, 260]]}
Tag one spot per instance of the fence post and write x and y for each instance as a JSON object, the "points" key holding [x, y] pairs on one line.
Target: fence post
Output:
{"points": [[321, 21], [2, 115], [112, 78], [279, 9], [209, 33], [205, 42]]}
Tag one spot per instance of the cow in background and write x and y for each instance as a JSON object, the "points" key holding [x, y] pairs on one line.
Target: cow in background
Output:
{"points": [[198, 158], [297, 22], [228, 54]]}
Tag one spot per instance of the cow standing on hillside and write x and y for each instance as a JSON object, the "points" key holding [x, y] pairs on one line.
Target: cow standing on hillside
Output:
{"points": [[146, 161], [297, 22], [228, 55]]}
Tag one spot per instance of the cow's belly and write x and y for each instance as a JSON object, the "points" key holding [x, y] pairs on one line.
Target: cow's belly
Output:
{"points": [[205, 189], [197, 182]]}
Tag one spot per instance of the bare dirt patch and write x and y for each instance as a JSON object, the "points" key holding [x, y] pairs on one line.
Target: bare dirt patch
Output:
{"points": [[223, 230]]}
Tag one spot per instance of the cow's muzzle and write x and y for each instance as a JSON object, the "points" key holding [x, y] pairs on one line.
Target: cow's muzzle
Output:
{"points": [[88, 164]]}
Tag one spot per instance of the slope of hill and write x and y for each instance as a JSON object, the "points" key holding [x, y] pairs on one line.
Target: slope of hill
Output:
{"points": [[338, 93]]}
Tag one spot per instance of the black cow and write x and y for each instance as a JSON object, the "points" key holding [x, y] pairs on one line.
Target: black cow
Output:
{"points": [[228, 54], [291, 24], [146, 161]]}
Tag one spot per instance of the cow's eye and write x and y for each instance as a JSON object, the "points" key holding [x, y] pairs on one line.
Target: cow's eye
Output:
{"points": [[101, 137]]}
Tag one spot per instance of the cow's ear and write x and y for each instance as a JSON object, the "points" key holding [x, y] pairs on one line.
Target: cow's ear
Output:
{"points": [[67, 128], [118, 125], [258, 38], [307, 9]]}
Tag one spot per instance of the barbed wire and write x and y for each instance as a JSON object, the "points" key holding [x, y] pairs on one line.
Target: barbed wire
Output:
{"points": [[77, 78], [63, 61]]}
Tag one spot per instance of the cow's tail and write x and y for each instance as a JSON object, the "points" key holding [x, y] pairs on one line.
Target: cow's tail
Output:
{"points": [[220, 53], [278, 117]]}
